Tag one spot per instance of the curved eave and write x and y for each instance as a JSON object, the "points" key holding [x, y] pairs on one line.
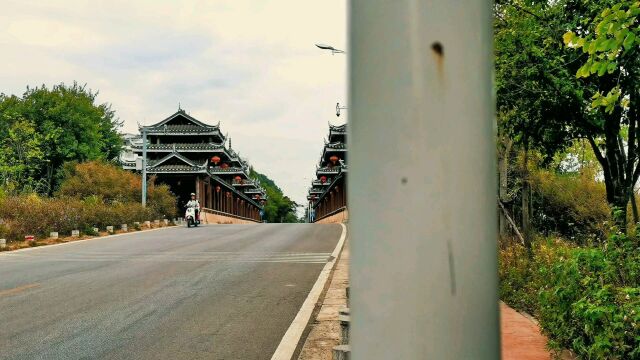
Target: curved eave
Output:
{"points": [[227, 171]]}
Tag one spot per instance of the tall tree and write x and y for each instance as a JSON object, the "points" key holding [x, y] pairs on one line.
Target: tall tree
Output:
{"points": [[536, 83], [71, 125], [20, 156], [279, 208], [611, 43]]}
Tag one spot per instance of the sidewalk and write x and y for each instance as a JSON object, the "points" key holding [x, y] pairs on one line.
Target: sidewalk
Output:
{"points": [[521, 337], [325, 330]]}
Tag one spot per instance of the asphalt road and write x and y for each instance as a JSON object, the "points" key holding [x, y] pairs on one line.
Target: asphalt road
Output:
{"points": [[213, 292]]}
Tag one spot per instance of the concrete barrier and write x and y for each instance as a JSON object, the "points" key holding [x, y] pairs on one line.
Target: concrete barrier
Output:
{"points": [[110, 229], [3, 243], [124, 227], [147, 224], [156, 223], [96, 230], [345, 319], [75, 233], [342, 352], [53, 234], [166, 222]]}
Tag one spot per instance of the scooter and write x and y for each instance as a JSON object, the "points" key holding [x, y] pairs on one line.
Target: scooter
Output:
{"points": [[191, 218]]}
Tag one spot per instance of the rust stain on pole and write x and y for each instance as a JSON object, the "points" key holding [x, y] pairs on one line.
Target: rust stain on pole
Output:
{"points": [[438, 53]]}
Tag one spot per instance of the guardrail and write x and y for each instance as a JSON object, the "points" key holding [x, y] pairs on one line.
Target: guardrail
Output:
{"points": [[336, 211], [222, 213]]}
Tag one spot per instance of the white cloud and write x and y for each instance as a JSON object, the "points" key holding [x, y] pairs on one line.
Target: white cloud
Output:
{"points": [[250, 64]]}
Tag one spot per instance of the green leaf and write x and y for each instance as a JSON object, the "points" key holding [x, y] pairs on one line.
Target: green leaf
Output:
{"points": [[568, 37], [602, 69], [629, 41]]}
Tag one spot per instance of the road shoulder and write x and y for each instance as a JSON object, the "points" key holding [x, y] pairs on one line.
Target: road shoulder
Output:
{"points": [[325, 330]]}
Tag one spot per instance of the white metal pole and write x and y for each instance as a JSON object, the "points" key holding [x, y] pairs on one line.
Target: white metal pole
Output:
{"points": [[144, 167], [422, 188]]}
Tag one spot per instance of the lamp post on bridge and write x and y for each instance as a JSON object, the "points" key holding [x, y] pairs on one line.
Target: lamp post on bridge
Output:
{"points": [[144, 166]]}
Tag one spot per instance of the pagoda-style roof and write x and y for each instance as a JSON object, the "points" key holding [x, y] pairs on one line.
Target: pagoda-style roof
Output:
{"points": [[226, 171], [338, 145], [183, 147], [327, 170], [181, 123], [337, 133], [320, 183], [174, 162]]}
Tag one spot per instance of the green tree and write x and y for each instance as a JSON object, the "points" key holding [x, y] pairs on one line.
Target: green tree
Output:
{"points": [[72, 127], [20, 155], [278, 208], [547, 105], [610, 40]]}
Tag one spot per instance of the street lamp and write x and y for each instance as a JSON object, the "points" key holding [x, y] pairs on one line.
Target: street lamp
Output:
{"points": [[338, 108], [329, 47]]}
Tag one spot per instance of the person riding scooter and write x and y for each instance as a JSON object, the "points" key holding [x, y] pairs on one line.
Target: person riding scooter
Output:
{"points": [[194, 203]]}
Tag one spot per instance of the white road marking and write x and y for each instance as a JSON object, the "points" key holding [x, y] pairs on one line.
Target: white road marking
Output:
{"points": [[83, 240], [291, 338], [308, 258]]}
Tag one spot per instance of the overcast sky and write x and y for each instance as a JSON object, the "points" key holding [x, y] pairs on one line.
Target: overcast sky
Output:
{"points": [[250, 64]]}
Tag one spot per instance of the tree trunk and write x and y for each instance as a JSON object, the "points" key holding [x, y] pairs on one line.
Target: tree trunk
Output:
{"points": [[634, 207], [526, 196], [503, 181]]}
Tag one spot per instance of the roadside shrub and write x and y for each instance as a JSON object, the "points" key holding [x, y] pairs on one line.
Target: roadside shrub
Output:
{"points": [[571, 205], [106, 182], [92, 194], [587, 299], [99, 182], [23, 215]]}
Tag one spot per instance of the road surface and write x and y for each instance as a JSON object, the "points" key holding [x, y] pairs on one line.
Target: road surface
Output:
{"points": [[212, 292]]}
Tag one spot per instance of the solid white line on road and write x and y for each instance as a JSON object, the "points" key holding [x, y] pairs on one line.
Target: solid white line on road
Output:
{"points": [[313, 258], [83, 240], [291, 338]]}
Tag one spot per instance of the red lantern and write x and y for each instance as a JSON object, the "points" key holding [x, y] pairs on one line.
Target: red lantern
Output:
{"points": [[258, 197], [323, 179], [238, 178], [334, 159], [215, 160], [218, 188], [224, 165]]}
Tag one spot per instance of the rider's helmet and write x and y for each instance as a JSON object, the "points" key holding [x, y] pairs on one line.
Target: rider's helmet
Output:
{"points": [[193, 194]]}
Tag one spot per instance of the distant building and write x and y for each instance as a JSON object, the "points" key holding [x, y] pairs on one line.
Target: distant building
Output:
{"points": [[193, 157], [327, 195]]}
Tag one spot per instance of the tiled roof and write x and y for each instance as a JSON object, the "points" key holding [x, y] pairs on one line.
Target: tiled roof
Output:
{"points": [[184, 146], [328, 170], [335, 145], [182, 128], [175, 168]]}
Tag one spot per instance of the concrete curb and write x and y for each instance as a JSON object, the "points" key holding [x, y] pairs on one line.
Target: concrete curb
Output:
{"points": [[291, 338], [83, 240]]}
